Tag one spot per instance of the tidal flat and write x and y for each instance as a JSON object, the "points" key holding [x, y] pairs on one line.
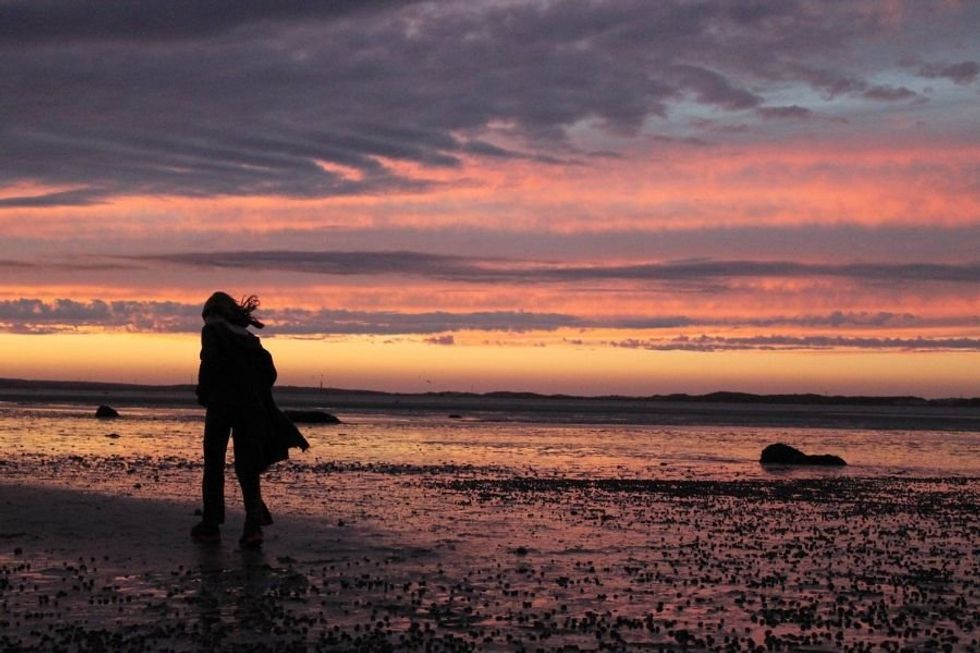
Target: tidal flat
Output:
{"points": [[402, 534]]}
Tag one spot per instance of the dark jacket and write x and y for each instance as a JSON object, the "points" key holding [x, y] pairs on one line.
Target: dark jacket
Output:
{"points": [[237, 373]]}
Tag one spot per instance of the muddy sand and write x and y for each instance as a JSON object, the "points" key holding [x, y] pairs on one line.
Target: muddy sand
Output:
{"points": [[375, 557]]}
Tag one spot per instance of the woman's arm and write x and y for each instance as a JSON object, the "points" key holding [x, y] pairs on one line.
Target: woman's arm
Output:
{"points": [[209, 372]]}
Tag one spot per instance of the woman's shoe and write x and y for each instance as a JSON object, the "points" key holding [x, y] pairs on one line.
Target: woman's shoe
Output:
{"points": [[206, 532], [251, 537]]}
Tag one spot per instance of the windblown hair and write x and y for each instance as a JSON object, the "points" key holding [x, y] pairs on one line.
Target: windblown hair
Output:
{"points": [[221, 304]]}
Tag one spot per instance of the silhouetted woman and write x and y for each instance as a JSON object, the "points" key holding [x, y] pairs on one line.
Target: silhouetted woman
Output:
{"points": [[235, 385]]}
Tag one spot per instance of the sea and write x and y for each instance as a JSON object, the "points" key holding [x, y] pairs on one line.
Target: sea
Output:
{"points": [[567, 443]]}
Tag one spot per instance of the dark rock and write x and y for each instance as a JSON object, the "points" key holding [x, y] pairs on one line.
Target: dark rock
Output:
{"points": [[112, 436], [455, 416], [311, 417], [783, 454], [104, 411]]}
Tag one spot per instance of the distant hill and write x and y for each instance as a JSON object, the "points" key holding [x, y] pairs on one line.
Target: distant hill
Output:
{"points": [[16, 388]]}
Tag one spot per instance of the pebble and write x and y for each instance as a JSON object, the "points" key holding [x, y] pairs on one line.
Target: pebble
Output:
{"points": [[610, 564]]}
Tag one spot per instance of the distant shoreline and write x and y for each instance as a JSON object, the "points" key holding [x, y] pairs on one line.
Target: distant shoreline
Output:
{"points": [[25, 388], [680, 410]]}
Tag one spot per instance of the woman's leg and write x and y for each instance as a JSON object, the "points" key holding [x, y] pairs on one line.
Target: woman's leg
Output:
{"points": [[217, 428], [248, 461]]}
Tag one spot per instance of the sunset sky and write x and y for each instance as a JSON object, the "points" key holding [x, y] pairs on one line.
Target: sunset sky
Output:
{"points": [[627, 197]]}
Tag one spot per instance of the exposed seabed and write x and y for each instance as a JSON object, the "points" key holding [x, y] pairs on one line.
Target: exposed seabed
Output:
{"points": [[448, 559]]}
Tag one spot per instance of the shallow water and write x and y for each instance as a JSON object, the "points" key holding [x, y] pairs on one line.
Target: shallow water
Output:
{"points": [[422, 532], [550, 447]]}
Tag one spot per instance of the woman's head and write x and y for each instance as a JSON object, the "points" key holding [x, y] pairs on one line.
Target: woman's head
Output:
{"points": [[222, 305]]}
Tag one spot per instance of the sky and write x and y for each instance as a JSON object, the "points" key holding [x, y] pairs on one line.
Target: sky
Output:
{"points": [[584, 197]]}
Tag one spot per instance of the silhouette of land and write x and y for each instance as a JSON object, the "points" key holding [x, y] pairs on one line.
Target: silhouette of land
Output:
{"points": [[732, 408], [10, 388]]}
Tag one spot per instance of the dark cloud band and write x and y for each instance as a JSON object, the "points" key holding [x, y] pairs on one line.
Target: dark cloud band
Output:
{"points": [[36, 316], [471, 270], [44, 21]]}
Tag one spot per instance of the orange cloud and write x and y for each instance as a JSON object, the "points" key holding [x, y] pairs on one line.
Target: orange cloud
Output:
{"points": [[662, 187]]}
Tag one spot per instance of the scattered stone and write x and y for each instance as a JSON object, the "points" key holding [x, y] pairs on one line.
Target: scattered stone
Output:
{"points": [[625, 566], [106, 412], [783, 454], [112, 436], [311, 417]]}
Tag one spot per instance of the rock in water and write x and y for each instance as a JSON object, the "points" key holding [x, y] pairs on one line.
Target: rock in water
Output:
{"points": [[311, 417], [106, 411], [783, 454]]}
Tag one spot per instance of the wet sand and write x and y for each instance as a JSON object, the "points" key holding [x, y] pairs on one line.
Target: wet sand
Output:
{"points": [[444, 557]]}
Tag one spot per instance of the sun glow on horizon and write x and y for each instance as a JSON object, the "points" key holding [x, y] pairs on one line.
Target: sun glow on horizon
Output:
{"points": [[408, 364]]}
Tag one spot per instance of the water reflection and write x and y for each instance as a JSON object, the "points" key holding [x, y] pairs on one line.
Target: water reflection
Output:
{"points": [[231, 598], [573, 449]]}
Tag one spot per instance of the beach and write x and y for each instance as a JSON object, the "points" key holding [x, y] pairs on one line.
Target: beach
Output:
{"points": [[611, 326], [417, 531]]}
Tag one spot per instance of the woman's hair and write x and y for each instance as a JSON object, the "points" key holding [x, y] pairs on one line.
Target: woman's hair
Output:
{"points": [[240, 313]]}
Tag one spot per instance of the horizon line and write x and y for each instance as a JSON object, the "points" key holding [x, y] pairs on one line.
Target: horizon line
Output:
{"points": [[720, 396]]}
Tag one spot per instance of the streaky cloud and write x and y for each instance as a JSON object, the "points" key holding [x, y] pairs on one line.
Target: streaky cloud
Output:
{"points": [[75, 197], [890, 93], [340, 321], [441, 340], [475, 270], [15, 265], [784, 112], [65, 265], [707, 343], [340, 263], [27, 315], [825, 243], [31, 315], [962, 73], [39, 21]]}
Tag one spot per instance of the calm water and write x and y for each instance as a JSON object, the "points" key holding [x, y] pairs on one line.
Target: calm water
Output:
{"points": [[539, 447]]}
